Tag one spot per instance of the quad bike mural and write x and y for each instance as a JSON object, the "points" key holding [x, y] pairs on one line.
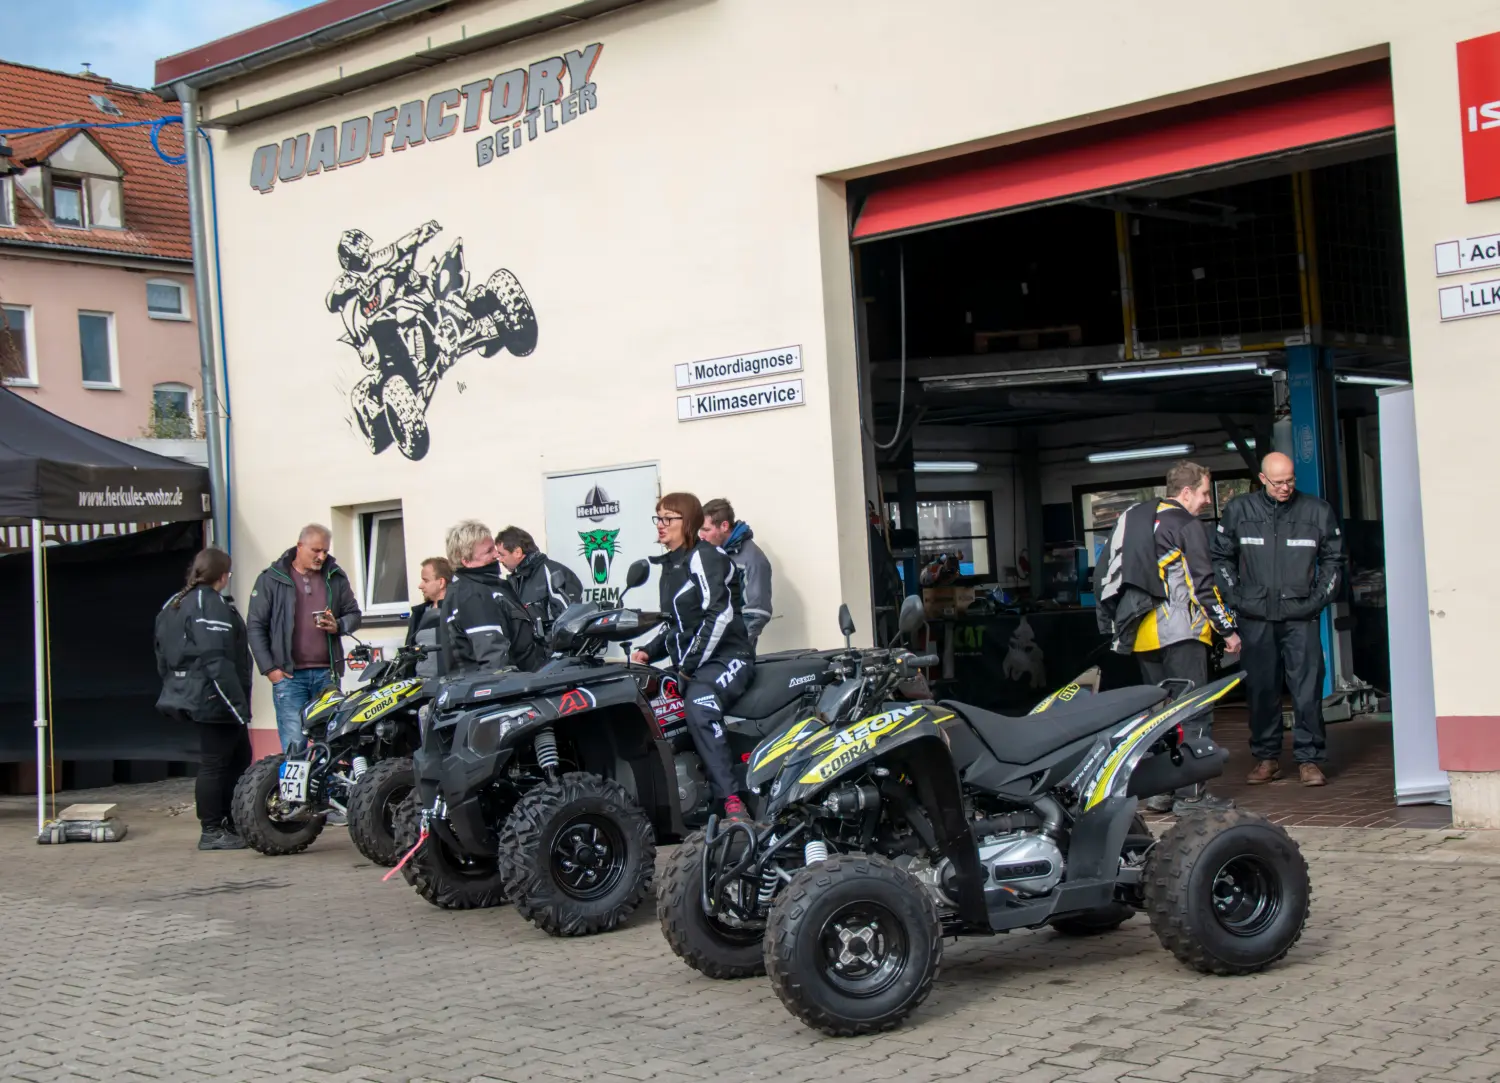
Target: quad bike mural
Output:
{"points": [[410, 326]]}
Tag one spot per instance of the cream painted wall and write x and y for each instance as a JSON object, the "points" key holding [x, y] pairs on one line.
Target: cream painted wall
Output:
{"points": [[149, 351], [684, 219]]}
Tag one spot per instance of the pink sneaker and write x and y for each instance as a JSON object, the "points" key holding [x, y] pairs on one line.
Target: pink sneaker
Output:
{"points": [[734, 808]]}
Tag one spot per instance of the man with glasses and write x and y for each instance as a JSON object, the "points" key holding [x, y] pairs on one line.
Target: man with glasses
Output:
{"points": [[1279, 554]]}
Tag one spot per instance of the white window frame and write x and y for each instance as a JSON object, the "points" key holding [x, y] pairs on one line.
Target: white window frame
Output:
{"points": [[192, 403], [366, 518], [184, 315], [31, 379], [7, 202], [114, 355]]}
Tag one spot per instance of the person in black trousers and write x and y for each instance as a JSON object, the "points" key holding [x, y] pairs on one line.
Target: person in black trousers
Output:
{"points": [[706, 639], [1158, 599], [1280, 555], [203, 657]]}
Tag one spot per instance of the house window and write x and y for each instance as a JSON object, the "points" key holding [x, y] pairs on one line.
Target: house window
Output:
{"points": [[166, 299], [17, 350], [96, 341], [953, 524], [7, 211], [172, 412], [67, 202], [382, 538]]}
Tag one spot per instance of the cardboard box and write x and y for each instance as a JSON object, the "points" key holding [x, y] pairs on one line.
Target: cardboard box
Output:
{"points": [[947, 602]]}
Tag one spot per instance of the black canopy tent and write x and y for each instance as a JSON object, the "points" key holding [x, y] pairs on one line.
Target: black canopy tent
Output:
{"points": [[55, 472]]}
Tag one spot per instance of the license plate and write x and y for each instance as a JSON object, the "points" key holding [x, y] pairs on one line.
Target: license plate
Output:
{"points": [[294, 774]]}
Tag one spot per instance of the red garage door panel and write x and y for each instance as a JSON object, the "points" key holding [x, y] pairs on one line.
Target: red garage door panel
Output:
{"points": [[1234, 128]]}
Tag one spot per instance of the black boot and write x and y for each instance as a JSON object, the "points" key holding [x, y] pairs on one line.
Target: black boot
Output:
{"points": [[214, 837]]}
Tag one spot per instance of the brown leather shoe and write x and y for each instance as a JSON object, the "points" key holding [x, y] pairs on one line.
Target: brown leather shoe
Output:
{"points": [[1312, 775], [1265, 771]]}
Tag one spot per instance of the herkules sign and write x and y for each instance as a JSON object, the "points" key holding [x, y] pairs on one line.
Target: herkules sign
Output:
{"points": [[523, 104]]}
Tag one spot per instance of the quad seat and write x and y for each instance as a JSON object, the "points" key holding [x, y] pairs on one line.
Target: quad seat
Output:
{"points": [[1029, 738]]}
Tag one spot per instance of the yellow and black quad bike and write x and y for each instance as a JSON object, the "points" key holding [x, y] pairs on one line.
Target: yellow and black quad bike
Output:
{"points": [[354, 761], [882, 836]]}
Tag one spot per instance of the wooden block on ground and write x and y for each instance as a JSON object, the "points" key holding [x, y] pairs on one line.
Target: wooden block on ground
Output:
{"points": [[87, 812]]}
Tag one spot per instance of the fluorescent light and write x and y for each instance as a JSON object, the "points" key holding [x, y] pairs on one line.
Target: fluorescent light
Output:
{"points": [[1199, 369], [1370, 381], [1166, 451], [956, 467], [974, 381], [1232, 446]]}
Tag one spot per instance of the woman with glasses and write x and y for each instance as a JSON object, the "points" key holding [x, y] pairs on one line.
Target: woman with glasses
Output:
{"points": [[706, 637], [203, 658]]}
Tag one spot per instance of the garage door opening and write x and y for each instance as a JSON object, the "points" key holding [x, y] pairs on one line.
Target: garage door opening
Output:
{"points": [[1033, 370]]}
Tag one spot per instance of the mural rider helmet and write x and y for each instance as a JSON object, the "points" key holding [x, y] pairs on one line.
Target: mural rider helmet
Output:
{"points": [[354, 250]]}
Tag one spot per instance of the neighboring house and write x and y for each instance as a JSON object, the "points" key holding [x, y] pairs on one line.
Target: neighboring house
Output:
{"points": [[96, 284]]}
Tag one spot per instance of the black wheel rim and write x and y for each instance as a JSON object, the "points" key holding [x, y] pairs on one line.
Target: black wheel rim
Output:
{"points": [[1246, 895], [588, 857], [863, 949], [391, 810]]}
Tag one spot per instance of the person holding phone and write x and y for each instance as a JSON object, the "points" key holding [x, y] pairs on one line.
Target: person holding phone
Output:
{"points": [[300, 607], [706, 639]]}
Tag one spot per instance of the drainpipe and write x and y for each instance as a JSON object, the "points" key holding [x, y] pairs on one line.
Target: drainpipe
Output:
{"points": [[204, 305]]}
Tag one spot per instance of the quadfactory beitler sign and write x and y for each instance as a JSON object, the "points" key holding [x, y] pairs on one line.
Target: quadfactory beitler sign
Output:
{"points": [[517, 106]]}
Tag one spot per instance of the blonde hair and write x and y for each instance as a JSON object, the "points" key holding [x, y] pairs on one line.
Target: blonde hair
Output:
{"points": [[462, 538]]}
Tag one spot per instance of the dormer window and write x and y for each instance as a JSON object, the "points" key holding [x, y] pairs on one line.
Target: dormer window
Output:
{"points": [[77, 186]]}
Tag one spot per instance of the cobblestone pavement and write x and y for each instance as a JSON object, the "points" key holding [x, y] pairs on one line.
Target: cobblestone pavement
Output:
{"points": [[146, 960]]}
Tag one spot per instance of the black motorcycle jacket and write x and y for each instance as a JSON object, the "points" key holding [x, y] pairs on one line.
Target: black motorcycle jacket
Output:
{"points": [[424, 629], [700, 592], [486, 626], [545, 588], [1279, 561], [203, 659], [1155, 581]]}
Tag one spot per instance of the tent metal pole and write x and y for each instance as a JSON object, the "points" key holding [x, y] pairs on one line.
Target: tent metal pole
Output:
{"points": [[206, 371], [40, 628]]}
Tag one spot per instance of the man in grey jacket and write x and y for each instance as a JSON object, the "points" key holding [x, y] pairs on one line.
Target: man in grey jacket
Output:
{"points": [[721, 529]]}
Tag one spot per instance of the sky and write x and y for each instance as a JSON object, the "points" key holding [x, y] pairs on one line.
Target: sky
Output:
{"points": [[122, 39]]}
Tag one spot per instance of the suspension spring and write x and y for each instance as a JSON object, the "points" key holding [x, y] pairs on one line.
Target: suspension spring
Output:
{"points": [[815, 850], [768, 883], [358, 768], [546, 750]]}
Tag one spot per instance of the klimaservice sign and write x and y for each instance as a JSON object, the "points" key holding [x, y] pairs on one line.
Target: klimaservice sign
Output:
{"points": [[599, 523]]}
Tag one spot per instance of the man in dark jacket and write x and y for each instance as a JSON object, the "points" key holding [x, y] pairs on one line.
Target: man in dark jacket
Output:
{"points": [[1279, 554], [426, 621], [300, 607], [1158, 599], [486, 626], [720, 528], [544, 586]]}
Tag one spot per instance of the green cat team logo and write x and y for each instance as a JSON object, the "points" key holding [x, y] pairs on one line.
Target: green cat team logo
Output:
{"points": [[598, 549]]}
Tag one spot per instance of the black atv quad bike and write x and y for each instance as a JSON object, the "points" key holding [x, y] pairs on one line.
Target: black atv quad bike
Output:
{"points": [[921, 821], [550, 789], [360, 745]]}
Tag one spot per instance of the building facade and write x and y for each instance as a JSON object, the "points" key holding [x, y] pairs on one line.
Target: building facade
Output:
{"points": [[96, 278], [654, 203]]}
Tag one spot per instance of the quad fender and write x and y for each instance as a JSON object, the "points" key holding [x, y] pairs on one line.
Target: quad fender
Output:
{"points": [[1112, 778], [766, 760], [823, 759], [375, 704]]}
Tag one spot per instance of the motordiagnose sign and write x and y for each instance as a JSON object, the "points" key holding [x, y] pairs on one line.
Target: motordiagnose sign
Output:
{"points": [[1479, 102], [723, 370]]}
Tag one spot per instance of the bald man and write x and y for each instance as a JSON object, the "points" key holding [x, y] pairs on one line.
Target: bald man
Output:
{"points": [[1279, 554]]}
